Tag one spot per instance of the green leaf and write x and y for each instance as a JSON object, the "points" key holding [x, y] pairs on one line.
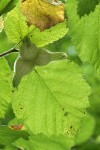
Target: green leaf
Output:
{"points": [[10, 6], [52, 99], [98, 139], [7, 135], [47, 36], [15, 26], [86, 6], [89, 146], [5, 44], [10, 147], [95, 103], [85, 34], [86, 129], [41, 142], [3, 4], [5, 87]]}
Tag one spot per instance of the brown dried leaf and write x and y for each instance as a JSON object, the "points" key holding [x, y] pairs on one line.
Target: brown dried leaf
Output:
{"points": [[42, 13]]}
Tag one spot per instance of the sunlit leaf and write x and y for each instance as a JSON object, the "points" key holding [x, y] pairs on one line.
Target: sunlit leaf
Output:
{"points": [[5, 87], [52, 99]]}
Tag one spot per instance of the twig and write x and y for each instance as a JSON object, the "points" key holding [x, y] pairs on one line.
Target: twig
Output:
{"points": [[12, 50], [8, 52]]}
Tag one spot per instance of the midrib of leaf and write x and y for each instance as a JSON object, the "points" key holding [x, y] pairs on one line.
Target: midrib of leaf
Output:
{"points": [[42, 81], [47, 89]]}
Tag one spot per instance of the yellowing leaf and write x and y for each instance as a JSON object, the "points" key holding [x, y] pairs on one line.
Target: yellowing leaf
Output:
{"points": [[42, 13]]}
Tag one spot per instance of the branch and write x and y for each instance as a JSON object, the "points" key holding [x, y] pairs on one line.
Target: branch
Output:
{"points": [[9, 52], [12, 50]]}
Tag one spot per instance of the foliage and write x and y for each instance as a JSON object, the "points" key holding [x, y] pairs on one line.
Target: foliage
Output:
{"points": [[49, 89], [16, 29], [86, 30], [53, 114]]}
